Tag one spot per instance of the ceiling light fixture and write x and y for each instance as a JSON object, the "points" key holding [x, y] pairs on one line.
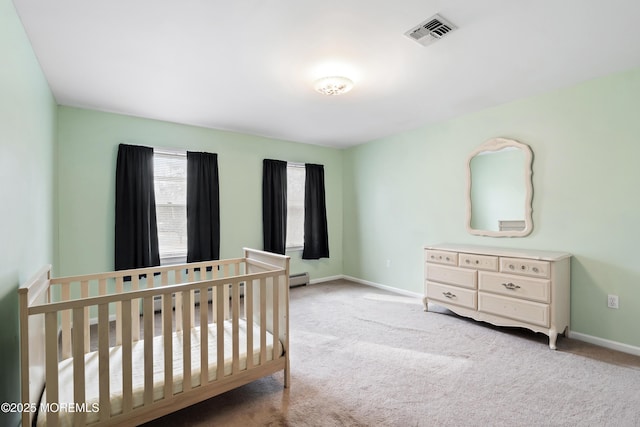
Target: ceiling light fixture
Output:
{"points": [[335, 85]]}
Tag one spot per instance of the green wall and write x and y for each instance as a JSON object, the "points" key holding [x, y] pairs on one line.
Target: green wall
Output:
{"points": [[408, 190], [27, 147], [88, 142]]}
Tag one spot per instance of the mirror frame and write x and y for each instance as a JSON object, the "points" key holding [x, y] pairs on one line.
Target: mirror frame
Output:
{"points": [[497, 144]]}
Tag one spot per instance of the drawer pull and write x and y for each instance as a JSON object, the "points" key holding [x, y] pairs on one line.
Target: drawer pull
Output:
{"points": [[511, 286], [449, 295]]}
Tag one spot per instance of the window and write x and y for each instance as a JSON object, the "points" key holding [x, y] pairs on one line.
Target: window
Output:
{"points": [[295, 205], [170, 182]]}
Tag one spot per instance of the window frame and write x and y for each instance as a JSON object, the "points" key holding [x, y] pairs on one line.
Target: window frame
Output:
{"points": [[295, 246], [175, 257]]}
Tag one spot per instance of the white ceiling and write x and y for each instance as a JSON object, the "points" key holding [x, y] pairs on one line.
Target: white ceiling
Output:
{"points": [[249, 65]]}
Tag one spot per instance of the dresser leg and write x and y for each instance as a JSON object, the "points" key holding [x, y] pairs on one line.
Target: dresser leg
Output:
{"points": [[553, 336], [424, 301]]}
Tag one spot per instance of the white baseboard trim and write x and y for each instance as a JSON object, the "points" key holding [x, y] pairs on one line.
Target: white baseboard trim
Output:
{"points": [[326, 279], [613, 345], [385, 287]]}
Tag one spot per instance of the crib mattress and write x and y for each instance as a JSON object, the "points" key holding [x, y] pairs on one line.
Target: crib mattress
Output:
{"points": [[115, 369]]}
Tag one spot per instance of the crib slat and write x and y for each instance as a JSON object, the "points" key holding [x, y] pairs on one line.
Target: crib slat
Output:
{"points": [[248, 310], [127, 371], [226, 298], [164, 278], [235, 326], [190, 278], [78, 364], [51, 363], [103, 362], [192, 309], [276, 316], [84, 293], [119, 290], [135, 309], [177, 278], [220, 331], [147, 316], [164, 281], [214, 305], [167, 300], [204, 338], [226, 292], [186, 340], [263, 320], [65, 322]]}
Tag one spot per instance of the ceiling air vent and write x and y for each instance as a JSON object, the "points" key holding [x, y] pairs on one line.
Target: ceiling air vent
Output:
{"points": [[431, 30]]}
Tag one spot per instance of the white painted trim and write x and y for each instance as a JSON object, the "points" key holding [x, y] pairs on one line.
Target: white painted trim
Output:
{"points": [[385, 287], [613, 345], [368, 283], [326, 279]]}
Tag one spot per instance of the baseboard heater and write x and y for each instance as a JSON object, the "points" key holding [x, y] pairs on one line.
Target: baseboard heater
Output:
{"points": [[301, 279], [157, 300]]}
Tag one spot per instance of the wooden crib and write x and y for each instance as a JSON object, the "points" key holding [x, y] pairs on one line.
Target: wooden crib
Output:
{"points": [[119, 348]]}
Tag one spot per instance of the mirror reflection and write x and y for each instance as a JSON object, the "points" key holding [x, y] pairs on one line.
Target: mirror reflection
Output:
{"points": [[499, 189]]}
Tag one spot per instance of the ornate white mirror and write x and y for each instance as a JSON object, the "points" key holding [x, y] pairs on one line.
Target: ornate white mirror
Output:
{"points": [[499, 189]]}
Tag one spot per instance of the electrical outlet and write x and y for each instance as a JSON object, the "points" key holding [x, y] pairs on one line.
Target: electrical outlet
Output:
{"points": [[612, 301]]}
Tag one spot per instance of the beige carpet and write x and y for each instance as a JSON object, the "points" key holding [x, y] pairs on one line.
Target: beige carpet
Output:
{"points": [[361, 356]]}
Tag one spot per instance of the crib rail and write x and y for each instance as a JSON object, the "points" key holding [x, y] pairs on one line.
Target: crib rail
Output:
{"points": [[84, 286], [78, 312]]}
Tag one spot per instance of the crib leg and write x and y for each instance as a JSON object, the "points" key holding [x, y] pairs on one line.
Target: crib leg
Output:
{"points": [[287, 375]]}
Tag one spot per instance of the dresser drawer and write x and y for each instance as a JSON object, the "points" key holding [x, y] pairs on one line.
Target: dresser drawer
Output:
{"points": [[452, 275], [527, 267], [526, 311], [481, 262], [441, 257], [515, 286], [452, 295]]}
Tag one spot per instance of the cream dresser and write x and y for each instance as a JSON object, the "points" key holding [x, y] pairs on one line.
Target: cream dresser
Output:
{"points": [[505, 287]]}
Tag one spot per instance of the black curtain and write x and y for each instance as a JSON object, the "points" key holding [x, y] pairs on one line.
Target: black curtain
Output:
{"points": [[203, 207], [274, 205], [316, 239], [136, 240]]}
